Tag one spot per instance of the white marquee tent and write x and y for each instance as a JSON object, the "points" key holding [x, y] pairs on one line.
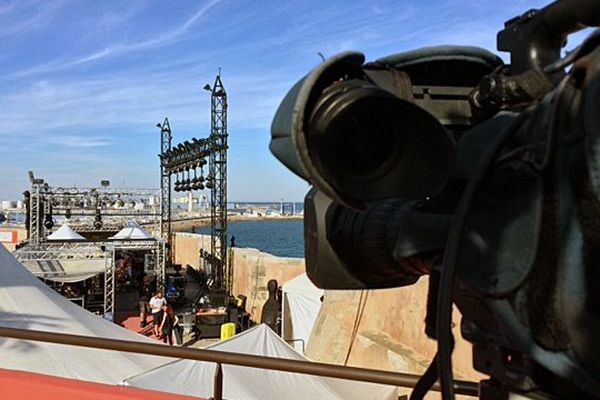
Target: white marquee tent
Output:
{"points": [[300, 306], [195, 378], [132, 231], [27, 303], [66, 271], [65, 233]]}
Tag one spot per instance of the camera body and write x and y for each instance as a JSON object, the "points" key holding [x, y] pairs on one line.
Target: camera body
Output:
{"points": [[446, 161]]}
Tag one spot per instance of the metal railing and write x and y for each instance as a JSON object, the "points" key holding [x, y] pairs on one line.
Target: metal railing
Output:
{"points": [[246, 360]]}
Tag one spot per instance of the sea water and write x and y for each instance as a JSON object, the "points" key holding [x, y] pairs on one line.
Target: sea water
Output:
{"points": [[283, 238]]}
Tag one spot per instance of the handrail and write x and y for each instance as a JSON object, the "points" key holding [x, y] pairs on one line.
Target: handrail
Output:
{"points": [[246, 360]]}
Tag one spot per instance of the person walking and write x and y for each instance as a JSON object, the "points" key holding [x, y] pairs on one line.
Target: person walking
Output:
{"points": [[169, 321], [157, 302], [144, 294]]}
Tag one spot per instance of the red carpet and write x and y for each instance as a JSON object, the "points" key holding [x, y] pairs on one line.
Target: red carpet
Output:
{"points": [[131, 321], [19, 385]]}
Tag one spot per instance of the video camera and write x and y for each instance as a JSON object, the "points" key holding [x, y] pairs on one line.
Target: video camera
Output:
{"points": [[445, 161]]}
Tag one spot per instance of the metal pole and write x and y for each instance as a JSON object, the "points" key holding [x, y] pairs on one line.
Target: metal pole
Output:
{"points": [[247, 360], [218, 385]]}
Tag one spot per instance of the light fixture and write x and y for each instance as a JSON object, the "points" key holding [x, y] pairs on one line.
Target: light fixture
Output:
{"points": [[186, 184], [98, 219], [48, 222]]}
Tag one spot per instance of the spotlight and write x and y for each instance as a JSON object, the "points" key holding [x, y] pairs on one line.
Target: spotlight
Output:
{"points": [[207, 87], [48, 223], [194, 182], [186, 182], [98, 219], [177, 186]]}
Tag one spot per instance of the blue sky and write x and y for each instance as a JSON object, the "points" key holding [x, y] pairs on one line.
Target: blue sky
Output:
{"points": [[83, 83]]}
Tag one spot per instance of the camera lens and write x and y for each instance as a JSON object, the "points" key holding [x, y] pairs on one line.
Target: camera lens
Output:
{"points": [[365, 144], [349, 131], [368, 143]]}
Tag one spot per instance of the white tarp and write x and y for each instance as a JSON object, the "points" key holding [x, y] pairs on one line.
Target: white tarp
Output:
{"points": [[27, 303], [132, 231], [65, 233], [195, 378], [69, 270], [300, 307]]}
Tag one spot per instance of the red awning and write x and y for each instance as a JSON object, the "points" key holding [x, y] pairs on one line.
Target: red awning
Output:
{"points": [[19, 385]]}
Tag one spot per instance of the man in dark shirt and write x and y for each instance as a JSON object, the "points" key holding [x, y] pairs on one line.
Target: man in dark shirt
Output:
{"points": [[271, 312]]}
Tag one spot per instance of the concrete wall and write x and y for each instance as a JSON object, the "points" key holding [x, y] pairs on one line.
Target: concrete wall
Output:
{"points": [[382, 329], [252, 269], [186, 248]]}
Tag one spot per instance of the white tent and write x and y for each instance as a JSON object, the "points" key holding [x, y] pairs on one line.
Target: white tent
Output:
{"points": [[66, 233], [70, 270], [132, 231], [195, 378], [300, 307], [27, 303]]}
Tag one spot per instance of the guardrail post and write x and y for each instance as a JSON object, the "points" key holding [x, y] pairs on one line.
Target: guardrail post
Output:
{"points": [[218, 384]]}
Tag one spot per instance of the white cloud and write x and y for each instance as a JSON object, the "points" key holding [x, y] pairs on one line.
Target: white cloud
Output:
{"points": [[116, 49]]}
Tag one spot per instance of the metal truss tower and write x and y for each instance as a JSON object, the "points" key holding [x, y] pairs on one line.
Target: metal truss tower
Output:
{"points": [[165, 182], [163, 255], [218, 173]]}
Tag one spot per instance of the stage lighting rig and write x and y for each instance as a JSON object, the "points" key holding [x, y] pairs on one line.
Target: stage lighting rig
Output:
{"points": [[45, 203], [192, 155]]}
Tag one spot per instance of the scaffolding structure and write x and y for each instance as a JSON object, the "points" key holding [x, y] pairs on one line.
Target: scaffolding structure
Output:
{"points": [[189, 156], [166, 137], [218, 171], [100, 209], [105, 250]]}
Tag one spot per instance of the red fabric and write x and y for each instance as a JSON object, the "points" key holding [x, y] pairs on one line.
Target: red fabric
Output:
{"points": [[19, 385]]}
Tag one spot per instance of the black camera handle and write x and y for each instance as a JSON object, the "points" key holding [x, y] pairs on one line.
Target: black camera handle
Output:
{"points": [[534, 41]]}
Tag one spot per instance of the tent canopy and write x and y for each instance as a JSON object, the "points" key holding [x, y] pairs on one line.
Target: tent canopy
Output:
{"points": [[132, 231], [27, 303], [70, 270], [17, 385], [65, 233], [195, 378], [300, 308]]}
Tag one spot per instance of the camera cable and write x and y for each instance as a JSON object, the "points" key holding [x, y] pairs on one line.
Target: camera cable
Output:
{"points": [[444, 302]]}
